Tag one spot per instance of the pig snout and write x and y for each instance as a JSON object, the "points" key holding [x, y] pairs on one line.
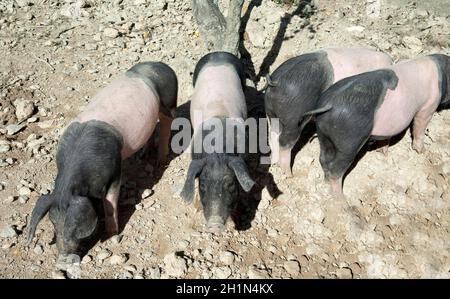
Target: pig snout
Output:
{"points": [[215, 224]]}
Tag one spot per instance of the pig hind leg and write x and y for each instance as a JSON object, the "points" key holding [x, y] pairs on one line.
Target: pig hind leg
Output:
{"points": [[110, 204], [420, 124]]}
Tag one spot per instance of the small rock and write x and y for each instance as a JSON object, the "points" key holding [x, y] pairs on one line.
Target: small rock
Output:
{"points": [[38, 249], [118, 259], [24, 109], [130, 268], [344, 273], [23, 199], [4, 146], [8, 232], [221, 272], [104, 254], [24, 191], [355, 29], [154, 273], [78, 66], [226, 257], [32, 119], [116, 239], [86, 259], [413, 43], [292, 267], [14, 128], [58, 275], [9, 199], [146, 193], [125, 275], [111, 32], [256, 274], [183, 244], [174, 265], [45, 124], [256, 34]]}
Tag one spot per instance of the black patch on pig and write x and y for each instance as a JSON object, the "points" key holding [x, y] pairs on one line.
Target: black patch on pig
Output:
{"points": [[161, 78], [443, 65], [220, 175], [88, 162], [344, 129], [220, 58], [295, 88]]}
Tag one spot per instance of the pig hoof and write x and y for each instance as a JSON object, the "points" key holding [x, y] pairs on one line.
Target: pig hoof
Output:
{"points": [[383, 150], [418, 147]]}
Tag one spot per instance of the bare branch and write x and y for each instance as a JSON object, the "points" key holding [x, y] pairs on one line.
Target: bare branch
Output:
{"points": [[231, 40], [210, 21], [220, 33]]}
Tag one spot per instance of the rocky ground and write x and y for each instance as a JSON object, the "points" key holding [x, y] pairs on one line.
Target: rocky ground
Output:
{"points": [[56, 54]]}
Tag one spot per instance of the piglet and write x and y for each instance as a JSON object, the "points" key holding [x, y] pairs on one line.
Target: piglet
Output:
{"points": [[377, 105], [218, 101], [295, 86], [118, 121]]}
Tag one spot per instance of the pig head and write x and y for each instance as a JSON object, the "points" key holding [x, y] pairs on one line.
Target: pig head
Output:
{"points": [[219, 177]]}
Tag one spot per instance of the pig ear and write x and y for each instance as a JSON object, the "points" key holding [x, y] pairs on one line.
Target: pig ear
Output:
{"points": [[194, 169], [81, 218], [41, 208], [237, 164]]}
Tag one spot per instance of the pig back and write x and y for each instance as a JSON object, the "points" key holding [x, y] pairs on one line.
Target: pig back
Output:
{"points": [[347, 62], [218, 92], [417, 91], [129, 105]]}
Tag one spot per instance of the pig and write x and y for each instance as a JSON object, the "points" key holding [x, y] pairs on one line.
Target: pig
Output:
{"points": [[295, 86], [218, 97], [377, 105], [118, 121]]}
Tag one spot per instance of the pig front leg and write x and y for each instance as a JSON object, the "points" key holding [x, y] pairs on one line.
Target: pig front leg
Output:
{"points": [[164, 137], [420, 124], [110, 204]]}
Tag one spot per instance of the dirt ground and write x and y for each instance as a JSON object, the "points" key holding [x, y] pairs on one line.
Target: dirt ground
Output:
{"points": [[393, 223]]}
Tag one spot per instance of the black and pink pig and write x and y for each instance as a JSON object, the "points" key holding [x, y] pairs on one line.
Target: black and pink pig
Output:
{"points": [[218, 98], [118, 122], [295, 86], [378, 105]]}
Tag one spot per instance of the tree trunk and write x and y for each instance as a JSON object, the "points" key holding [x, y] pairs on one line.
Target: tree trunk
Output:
{"points": [[220, 33]]}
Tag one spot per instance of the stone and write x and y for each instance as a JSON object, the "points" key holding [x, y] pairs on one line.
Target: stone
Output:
{"points": [[58, 275], [14, 128], [8, 232], [24, 109], [344, 273], [4, 146], [104, 254], [111, 32], [174, 265], [226, 257], [146, 193], [24, 191], [118, 259], [38, 249], [413, 43], [292, 267]]}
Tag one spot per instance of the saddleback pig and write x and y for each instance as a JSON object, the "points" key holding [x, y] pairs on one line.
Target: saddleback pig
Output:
{"points": [[118, 121], [218, 97], [377, 105], [295, 86]]}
